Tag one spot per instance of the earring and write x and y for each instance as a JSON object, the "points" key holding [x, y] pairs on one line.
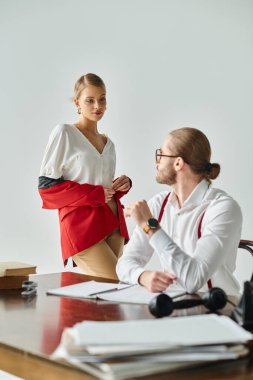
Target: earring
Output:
{"points": [[79, 110]]}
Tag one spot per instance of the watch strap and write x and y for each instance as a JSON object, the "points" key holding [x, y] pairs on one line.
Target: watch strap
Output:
{"points": [[146, 228]]}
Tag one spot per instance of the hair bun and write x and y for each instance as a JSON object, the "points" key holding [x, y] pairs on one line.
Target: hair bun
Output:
{"points": [[209, 167]]}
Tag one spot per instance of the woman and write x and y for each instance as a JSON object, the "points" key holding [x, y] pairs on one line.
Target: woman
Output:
{"points": [[77, 177]]}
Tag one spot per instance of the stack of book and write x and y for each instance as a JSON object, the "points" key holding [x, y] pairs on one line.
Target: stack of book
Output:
{"points": [[12, 274], [126, 349]]}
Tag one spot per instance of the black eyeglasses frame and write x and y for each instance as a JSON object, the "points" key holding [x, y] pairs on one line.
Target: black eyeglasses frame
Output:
{"points": [[157, 154]]}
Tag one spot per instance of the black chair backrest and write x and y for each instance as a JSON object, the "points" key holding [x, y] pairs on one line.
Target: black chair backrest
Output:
{"points": [[247, 244]]}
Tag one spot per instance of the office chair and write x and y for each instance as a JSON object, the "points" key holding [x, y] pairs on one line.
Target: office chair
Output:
{"points": [[243, 312], [247, 244]]}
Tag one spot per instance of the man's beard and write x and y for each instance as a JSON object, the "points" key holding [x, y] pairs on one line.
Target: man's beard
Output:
{"points": [[166, 177]]}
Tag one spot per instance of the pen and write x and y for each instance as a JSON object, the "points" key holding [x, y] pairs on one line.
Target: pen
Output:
{"points": [[103, 291]]}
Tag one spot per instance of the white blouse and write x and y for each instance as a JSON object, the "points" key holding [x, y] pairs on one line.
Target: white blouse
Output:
{"points": [[71, 155]]}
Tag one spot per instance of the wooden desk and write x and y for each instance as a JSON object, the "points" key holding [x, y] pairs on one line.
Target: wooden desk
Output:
{"points": [[30, 330]]}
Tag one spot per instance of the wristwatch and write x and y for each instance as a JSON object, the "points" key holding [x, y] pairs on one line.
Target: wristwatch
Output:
{"points": [[151, 224]]}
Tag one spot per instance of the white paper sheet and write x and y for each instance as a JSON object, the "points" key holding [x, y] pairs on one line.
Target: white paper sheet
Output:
{"points": [[187, 334], [139, 294], [86, 289], [120, 292], [185, 331]]}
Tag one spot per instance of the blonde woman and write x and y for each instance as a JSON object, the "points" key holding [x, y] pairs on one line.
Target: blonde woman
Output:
{"points": [[77, 178]]}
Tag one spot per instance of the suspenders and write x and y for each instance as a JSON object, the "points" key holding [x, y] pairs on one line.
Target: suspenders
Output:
{"points": [[209, 282], [163, 206]]}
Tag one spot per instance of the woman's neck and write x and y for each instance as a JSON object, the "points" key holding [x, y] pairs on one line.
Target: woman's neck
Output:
{"points": [[87, 125]]}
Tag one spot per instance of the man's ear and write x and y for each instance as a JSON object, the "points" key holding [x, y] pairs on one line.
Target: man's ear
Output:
{"points": [[179, 164]]}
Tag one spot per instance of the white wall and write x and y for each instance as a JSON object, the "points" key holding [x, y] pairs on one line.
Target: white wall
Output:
{"points": [[166, 64]]}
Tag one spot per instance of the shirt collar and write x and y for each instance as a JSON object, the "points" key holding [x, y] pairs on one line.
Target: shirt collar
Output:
{"points": [[196, 196]]}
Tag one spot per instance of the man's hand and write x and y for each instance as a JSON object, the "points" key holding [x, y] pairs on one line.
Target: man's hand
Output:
{"points": [[156, 281], [139, 211], [121, 184]]}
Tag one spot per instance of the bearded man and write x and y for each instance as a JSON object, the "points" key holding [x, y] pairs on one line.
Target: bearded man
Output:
{"points": [[193, 228]]}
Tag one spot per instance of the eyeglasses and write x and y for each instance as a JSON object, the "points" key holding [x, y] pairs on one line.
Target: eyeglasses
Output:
{"points": [[158, 155]]}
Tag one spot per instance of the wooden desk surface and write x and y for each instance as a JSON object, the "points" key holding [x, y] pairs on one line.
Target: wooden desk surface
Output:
{"points": [[30, 330]]}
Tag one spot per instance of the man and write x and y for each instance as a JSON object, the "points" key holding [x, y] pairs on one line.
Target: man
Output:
{"points": [[200, 228]]}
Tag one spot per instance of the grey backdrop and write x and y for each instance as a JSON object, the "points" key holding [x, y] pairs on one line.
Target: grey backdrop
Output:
{"points": [[166, 64]]}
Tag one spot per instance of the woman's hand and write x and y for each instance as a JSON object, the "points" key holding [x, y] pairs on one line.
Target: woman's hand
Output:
{"points": [[109, 193], [139, 211], [121, 184], [156, 281]]}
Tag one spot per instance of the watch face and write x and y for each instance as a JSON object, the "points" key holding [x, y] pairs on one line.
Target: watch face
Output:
{"points": [[152, 223]]}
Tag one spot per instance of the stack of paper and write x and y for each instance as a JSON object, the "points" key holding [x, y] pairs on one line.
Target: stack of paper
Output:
{"points": [[124, 349]]}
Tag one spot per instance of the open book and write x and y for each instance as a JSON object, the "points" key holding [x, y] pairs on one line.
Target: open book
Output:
{"points": [[112, 292], [126, 349]]}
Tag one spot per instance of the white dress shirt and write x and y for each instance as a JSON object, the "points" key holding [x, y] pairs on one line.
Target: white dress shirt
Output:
{"points": [[193, 261], [71, 155]]}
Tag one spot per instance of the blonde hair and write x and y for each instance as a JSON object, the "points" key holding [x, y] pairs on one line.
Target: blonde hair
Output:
{"points": [[193, 146], [84, 81]]}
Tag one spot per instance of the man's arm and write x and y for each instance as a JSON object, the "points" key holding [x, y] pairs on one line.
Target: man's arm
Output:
{"points": [[131, 266], [136, 255], [221, 231]]}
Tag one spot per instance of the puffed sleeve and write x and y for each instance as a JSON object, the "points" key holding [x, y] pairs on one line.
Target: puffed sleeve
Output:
{"points": [[55, 154]]}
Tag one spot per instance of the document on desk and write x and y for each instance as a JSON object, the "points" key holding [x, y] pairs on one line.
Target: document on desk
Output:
{"points": [[112, 292], [88, 289], [143, 347], [184, 331]]}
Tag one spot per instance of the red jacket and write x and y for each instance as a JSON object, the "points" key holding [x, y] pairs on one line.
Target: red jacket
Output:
{"points": [[84, 217]]}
